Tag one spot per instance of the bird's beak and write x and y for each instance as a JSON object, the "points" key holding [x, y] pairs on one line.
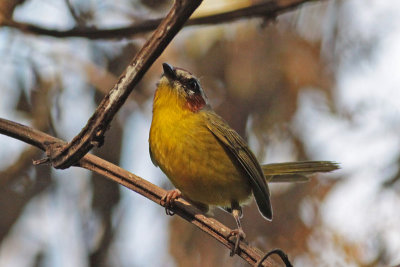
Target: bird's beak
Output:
{"points": [[169, 71]]}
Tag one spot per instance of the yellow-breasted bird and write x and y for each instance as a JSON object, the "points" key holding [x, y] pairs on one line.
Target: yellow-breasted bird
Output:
{"points": [[206, 160]]}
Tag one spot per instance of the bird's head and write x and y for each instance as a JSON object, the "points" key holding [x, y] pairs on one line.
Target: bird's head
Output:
{"points": [[182, 85]]}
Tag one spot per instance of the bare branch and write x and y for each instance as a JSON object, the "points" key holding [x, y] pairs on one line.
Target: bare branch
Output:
{"points": [[268, 10], [93, 133], [185, 210]]}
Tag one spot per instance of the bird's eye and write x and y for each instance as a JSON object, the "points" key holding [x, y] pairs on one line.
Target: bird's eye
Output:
{"points": [[193, 85]]}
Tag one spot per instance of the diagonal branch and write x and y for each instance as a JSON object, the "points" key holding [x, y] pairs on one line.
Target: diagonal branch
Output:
{"points": [[93, 133], [268, 10], [135, 183]]}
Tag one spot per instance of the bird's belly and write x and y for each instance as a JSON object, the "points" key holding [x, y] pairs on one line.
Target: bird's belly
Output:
{"points": [[199, 166]]}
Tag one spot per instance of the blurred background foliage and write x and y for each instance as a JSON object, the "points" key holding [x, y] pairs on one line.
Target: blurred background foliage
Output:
{"points": [[303, 87]]}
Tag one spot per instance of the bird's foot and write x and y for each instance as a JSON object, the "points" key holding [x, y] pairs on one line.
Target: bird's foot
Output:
{"points": [[240, 235], [168, 200]]}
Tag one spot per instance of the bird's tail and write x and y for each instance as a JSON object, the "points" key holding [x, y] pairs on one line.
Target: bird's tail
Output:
{"points": [[296, 172]]}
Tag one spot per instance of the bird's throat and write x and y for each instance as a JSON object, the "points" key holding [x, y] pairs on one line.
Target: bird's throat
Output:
{"points": [[166, 98]]}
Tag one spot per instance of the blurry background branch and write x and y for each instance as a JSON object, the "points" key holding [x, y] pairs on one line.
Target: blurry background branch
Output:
{"points": [[93, 163], [268, 10]]}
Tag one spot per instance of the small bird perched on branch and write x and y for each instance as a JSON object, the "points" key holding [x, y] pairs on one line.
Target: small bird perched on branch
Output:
{"points": [[205, 159]]}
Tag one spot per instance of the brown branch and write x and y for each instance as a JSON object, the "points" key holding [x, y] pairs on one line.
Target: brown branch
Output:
{"points": [[135, 183], [267, 10], [93, 133]]}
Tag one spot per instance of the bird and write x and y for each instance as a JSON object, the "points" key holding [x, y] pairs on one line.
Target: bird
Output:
{"points": [[207, 161]]}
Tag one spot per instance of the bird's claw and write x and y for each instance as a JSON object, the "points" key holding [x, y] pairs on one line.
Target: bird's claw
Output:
{"points": [[168, 200], [240, 235]]}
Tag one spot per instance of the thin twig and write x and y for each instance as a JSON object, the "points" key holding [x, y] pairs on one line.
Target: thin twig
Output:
{"points": [[267, 10], [73, 13], [92, 134], [182, 208]]}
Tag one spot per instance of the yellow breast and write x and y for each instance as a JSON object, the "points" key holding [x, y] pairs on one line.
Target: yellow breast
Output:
{"points": [[191, 156]]}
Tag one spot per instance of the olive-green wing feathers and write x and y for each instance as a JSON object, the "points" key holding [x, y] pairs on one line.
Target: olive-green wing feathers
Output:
{"points": [[238, 148]]}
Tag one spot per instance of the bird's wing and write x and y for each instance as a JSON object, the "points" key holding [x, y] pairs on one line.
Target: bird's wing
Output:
{"points": [[238, 148]]}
